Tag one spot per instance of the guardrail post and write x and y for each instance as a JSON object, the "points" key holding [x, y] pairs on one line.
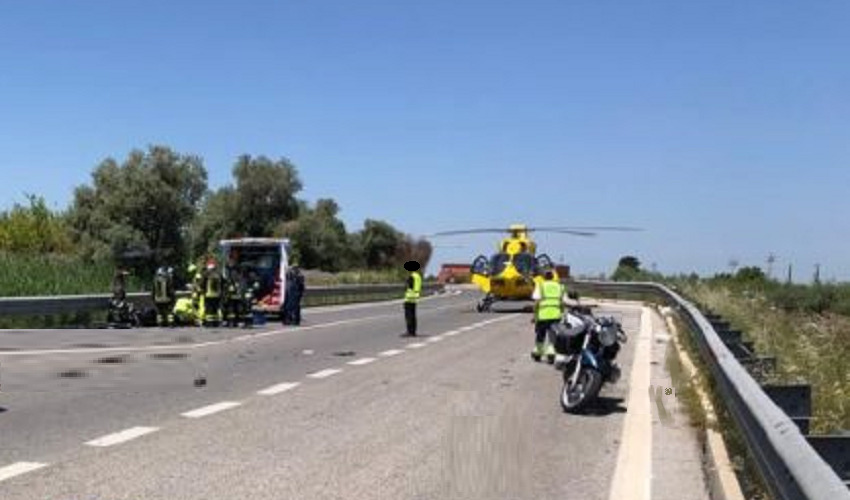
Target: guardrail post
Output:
{"points": [[795, 400], [835, 450]]}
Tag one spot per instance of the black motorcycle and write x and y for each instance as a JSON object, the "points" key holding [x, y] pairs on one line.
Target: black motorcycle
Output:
{"points": [[121, 313], [589, 346]]}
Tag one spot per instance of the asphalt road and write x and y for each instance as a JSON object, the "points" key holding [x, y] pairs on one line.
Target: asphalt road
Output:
{"points": [[341, 407]]}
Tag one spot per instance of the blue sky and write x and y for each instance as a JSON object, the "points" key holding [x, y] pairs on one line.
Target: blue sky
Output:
{"points": [[721, 127]]}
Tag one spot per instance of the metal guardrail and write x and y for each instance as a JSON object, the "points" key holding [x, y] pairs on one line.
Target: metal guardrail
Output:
{"points": [[791, 468], [71, 304]]}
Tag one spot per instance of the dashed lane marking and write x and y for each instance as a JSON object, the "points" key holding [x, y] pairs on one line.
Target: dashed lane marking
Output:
{"points": [[19, 468], [361, 362], [434, 339], [415, 345], [277, 389], [391, 352], [211, 409], [325, 373], [121, 437]]}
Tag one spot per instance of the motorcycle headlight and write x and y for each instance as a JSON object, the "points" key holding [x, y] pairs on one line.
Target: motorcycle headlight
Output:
{"points": [[608, 335]]}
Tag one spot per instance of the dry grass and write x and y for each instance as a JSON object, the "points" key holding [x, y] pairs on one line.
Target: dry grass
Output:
{"points": [[809, 347]]}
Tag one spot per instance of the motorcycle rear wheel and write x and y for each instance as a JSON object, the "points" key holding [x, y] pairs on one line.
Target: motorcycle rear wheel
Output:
{"points": [[574, 399]]}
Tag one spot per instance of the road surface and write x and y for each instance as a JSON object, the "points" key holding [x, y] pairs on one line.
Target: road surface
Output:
{"points": [[339, 408]]}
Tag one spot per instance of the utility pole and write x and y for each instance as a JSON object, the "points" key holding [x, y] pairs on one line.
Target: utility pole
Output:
{"points": [[771, 258], [789, 273], [817, 274]]}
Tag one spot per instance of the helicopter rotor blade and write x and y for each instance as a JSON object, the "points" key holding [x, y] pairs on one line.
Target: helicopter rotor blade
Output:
{"points": [[572, 232], [589, 228], [470, 231]]}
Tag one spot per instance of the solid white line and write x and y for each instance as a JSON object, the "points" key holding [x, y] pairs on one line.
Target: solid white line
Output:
{"points": [[434, 339], [277, 389], [325, 373], [243, 338], [19, 468], [415, 345], [391, 352], [122, 437], [209, 410], [361, 362], [451, 333], [633, 475]]}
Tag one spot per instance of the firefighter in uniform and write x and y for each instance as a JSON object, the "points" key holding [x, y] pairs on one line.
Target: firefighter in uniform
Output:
{"points": [[233, 297], [212, 292], [548, 311], [411, 296], [164, 296], [197, 292], [251, 295]]}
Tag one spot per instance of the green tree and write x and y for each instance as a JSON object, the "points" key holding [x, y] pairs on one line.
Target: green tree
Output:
{"points": [[264, 194], [379, 242], [319, 239], [628, 269], [34, 229], [144, 205], [410, 248]]}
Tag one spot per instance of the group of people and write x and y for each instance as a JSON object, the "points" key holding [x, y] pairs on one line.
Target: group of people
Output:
{"points": [[216, 298]]}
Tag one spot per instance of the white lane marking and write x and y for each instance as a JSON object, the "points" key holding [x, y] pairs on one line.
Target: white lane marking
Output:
{"points": [[325, 373], [415, 345], [211, 409], [277, 389], [391, 352], [122, 437], [18, 468], [243, 338], [361, 362], [434, 339], [451, 333], [633, 475]]}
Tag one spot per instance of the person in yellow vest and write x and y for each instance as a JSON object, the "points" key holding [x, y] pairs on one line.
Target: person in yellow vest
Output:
{"points": [[212, 293], [548, 311], [411, 296]]}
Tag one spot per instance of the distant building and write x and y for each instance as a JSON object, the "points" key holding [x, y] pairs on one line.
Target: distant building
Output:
{"points": [[454, 273]]}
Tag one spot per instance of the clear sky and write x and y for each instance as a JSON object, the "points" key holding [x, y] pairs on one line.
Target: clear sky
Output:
{"points": [[722, 127]]}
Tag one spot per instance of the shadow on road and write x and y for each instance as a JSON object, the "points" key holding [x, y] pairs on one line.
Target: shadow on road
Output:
{"points": [[603, 406]]}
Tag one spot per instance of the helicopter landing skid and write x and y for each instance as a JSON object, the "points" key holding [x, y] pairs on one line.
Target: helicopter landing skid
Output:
{"points": [[485, 304]]}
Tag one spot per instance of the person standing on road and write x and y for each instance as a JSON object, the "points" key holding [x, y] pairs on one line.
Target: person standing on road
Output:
{"points": [[298, 288], [164, 296], [548, 310], [411, 296]]}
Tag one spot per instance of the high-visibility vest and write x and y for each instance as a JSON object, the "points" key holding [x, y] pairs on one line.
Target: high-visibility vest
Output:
{"points": [[549, 308], [412, 294], [160, 290], [213, 286]]}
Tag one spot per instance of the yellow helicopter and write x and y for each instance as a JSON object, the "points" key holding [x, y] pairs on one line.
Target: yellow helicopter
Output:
{"points": [[511, 273]]}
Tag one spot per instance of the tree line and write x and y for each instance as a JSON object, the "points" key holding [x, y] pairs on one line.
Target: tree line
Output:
{"points": [[156, 208]]}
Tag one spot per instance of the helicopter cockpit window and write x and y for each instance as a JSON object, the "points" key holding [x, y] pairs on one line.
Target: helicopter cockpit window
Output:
{"points": [[524, 263], [498, 263]]}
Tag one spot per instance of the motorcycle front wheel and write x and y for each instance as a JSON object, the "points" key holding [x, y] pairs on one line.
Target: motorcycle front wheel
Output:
{"points": [[574, 398]]}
